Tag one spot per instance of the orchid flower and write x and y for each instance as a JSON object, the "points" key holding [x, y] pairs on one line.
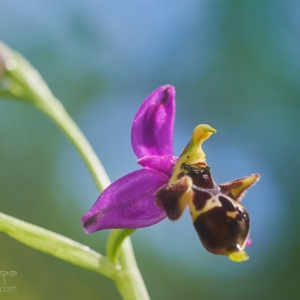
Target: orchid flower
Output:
{"points": [[166, 185]]}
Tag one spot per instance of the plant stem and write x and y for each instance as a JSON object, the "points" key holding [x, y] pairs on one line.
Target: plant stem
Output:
{"points": [[57, 245], [60, 116], [114, 243], [131, 285], [128, 280], [23, 81]]}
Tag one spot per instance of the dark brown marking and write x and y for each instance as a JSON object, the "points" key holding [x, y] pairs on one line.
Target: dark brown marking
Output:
{"points": [[200, 198], [180, 175], [90, 221], [166, 96], [241, 214], [226, 204], [221, 234], [168, 197], [201, 177]]}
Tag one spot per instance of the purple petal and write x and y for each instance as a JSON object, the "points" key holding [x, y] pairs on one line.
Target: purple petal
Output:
{"points": [[152, 128], [163, 164], [249, 242], [127, 203]]}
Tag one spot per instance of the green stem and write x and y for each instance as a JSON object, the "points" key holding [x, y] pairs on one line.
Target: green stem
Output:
{"points": [[57, 245], [114, 243], [60, 116], [131, 284], [22, 81], [129, 280]]}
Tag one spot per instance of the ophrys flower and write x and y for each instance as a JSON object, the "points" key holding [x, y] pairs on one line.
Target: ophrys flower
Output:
{"points": [[167, 184]]}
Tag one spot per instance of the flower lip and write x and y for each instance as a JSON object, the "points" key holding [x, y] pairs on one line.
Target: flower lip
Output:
{"points": [[223, 231], [220, 220]]}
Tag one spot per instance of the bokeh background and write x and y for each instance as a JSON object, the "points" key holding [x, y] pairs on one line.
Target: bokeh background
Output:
{"points": [[235, 66]]}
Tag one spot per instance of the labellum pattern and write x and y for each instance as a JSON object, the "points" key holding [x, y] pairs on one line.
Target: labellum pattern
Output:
{"points": [[220, 220]]}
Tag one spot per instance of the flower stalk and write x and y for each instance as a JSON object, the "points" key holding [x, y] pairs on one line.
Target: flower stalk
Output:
{"points": [[19, 80], [57, 245], [129, 280], [59, 115]]}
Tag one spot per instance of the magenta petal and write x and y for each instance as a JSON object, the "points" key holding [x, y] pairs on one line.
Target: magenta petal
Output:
{"points": [[127, 203], [163, 164], [152, 128], [249, 242]]}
